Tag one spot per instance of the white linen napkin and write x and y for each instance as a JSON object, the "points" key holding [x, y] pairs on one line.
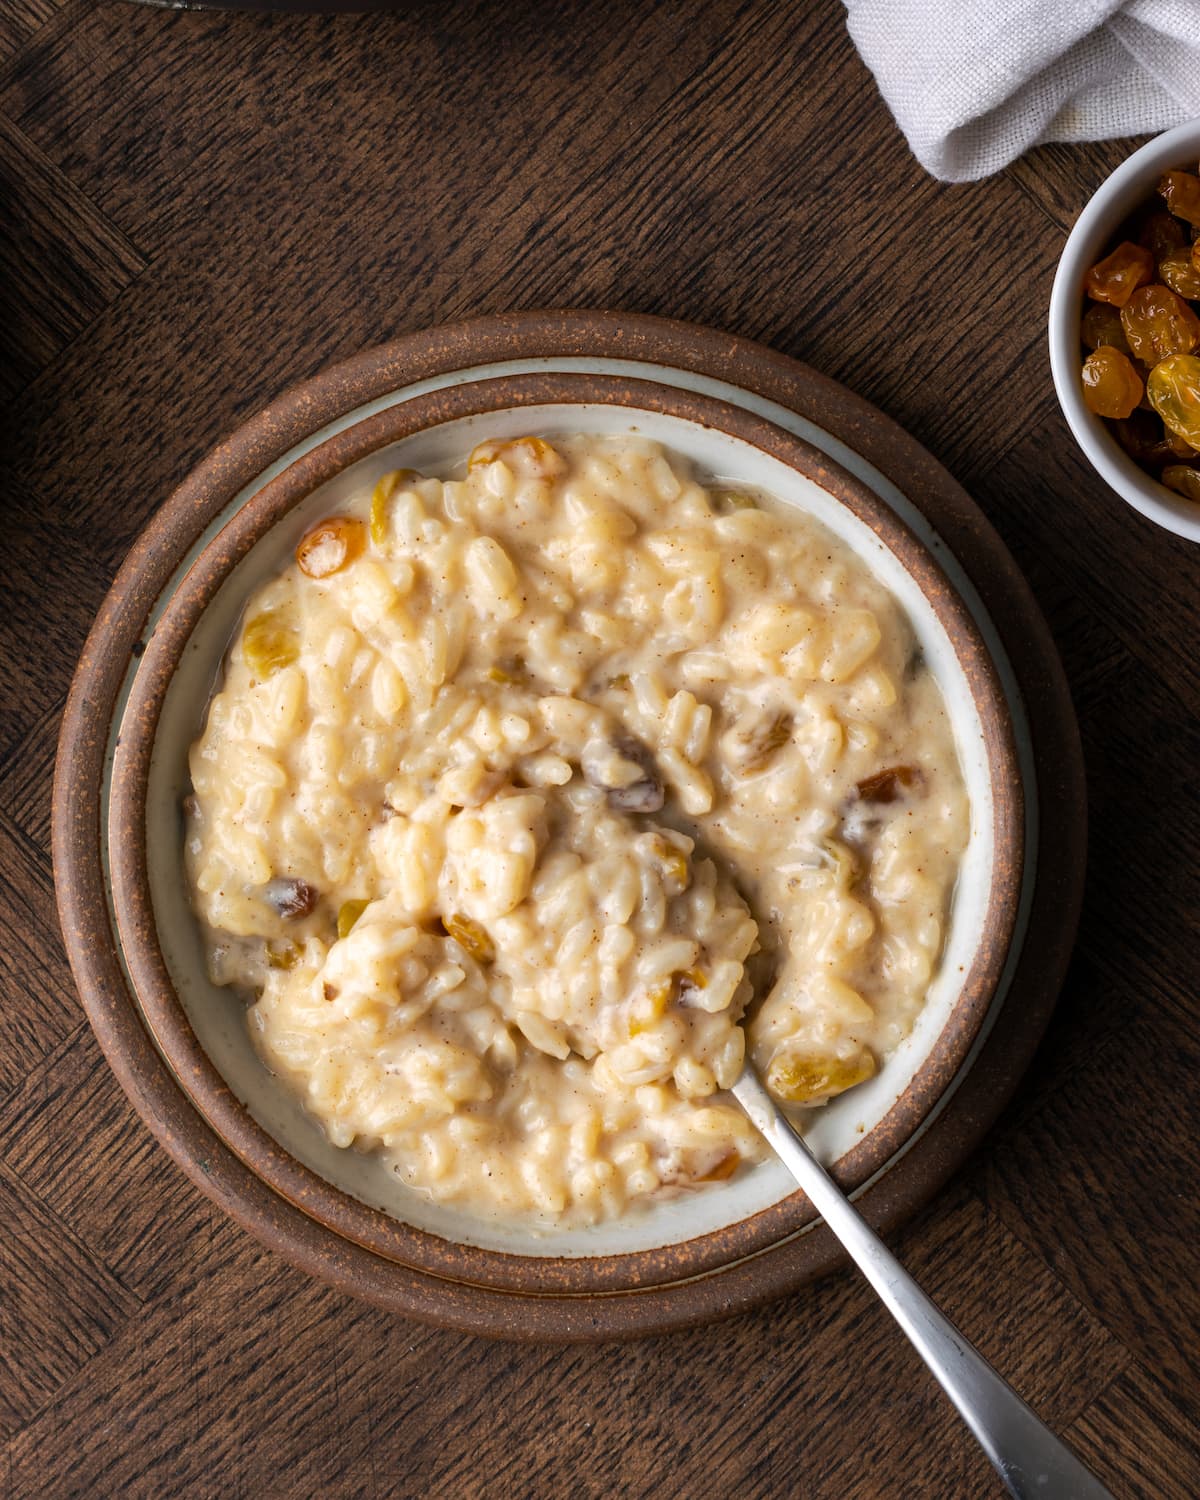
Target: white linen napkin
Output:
{"points": [[973, 83]]}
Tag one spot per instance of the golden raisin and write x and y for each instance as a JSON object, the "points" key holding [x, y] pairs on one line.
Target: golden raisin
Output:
{"points": [[348, 914], [1142, 372], [1115, 278], [724, 1168], [508, 669], [269, 642], [650, 1007], [673, 863], [1182, 192], [760, 743], [381, 498], [799, 1079], [1174, 391], [1102, 327], [1142, 437], [1161, 233], [283, 955], [291, 897], [891, 783], [1111, 385], [1181, 272], [1184, 480], [527, 457], [733, 500], [331, 546], [470, 937], [1157, 323]]}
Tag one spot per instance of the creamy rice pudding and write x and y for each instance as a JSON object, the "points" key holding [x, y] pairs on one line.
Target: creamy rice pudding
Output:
{"points": [[518, 787]]}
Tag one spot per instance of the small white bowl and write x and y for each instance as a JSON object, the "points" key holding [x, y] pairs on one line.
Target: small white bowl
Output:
{"points": [[1113, 201]]}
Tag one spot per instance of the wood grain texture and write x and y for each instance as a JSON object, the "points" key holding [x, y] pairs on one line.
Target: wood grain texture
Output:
{"points": [[61, 1306], [208, 207], [1166, 1441], [1060, 178], [37, 1001], [19, 20], [62, 261]]}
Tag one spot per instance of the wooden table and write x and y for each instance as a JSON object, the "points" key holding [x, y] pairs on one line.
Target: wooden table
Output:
{"points": [[208, 207]]}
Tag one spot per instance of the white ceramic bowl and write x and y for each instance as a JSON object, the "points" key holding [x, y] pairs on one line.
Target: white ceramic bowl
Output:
{"points": [[1113, 201], [216, 1015]]}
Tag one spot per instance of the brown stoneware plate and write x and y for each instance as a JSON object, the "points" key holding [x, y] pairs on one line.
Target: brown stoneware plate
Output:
{"points": [[179, 1045]]}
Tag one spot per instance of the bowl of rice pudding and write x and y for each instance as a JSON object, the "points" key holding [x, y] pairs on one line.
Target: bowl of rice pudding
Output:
{"points": [[511, 767]]}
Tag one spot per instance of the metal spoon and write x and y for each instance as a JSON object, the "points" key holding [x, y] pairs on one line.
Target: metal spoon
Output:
{"points": [[1028, 1457]]}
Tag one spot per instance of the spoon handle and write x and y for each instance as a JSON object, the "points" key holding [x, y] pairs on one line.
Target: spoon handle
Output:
{"points": [[1027, 1456]]}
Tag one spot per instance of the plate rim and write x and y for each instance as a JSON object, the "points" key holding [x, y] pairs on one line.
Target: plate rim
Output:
{"points": [[324, 1199], [673, 346]]}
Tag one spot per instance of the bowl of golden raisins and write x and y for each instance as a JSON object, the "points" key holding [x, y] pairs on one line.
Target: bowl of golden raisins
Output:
{"points": [[1125, 330]]}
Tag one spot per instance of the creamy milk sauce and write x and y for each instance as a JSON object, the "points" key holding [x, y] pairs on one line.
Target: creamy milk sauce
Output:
{"points": [[519, 787]]}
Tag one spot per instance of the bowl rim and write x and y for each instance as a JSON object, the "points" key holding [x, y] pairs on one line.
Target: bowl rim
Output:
{"points": [[1108, 206], [306, 1189]]}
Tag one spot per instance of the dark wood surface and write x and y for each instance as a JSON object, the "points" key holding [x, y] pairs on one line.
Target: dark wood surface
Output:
{"points": [[202, 208]]}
